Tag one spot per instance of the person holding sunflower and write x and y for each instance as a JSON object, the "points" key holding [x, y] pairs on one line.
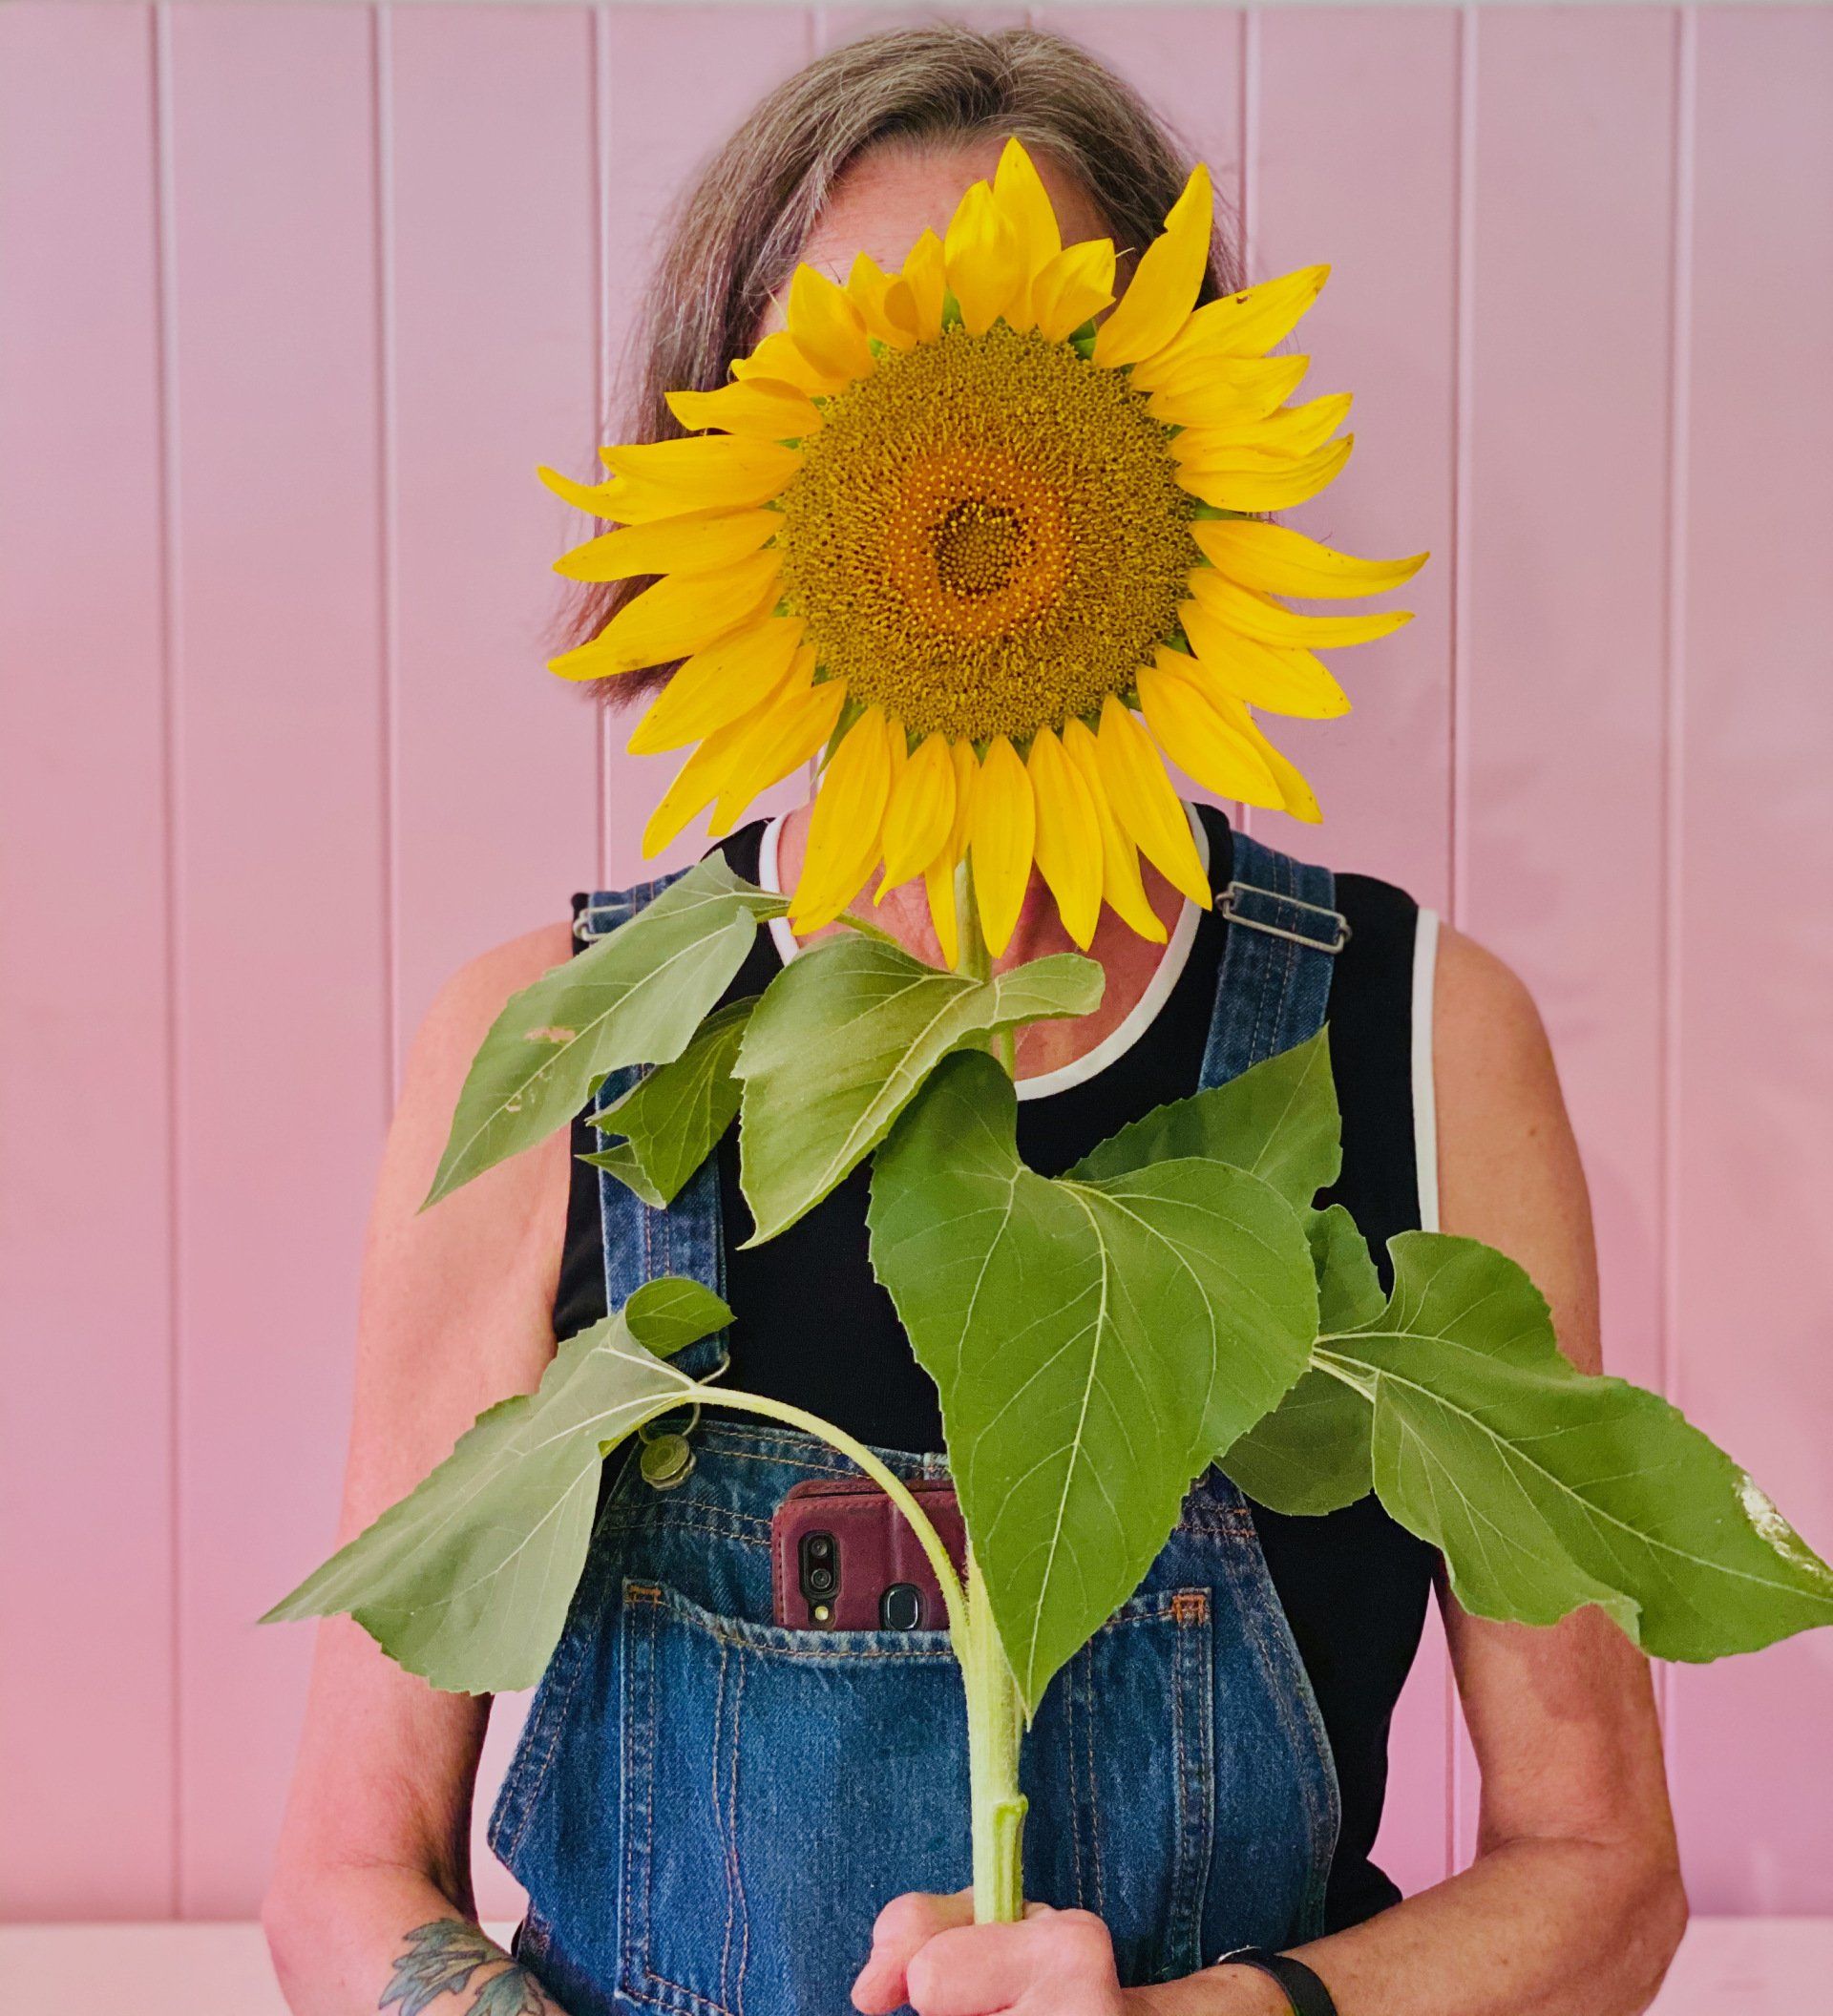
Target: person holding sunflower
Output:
{"points": [[968, 496]]}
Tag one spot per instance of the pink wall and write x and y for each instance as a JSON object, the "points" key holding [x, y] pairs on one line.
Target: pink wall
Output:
{"points": [[293, 297]]}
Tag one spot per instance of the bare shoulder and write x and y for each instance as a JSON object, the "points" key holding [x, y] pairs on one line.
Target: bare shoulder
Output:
{"points": [[474, 996], [1509, 1170], [456, 1298]]}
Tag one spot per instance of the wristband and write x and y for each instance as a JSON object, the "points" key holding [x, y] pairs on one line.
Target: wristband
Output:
{"points": [[1300, 1987]]}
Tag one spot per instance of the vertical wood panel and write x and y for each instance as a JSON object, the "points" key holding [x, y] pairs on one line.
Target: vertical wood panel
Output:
{"points": [[492, 317], [1357, 119], [1754, 1151], [1565, 514], [85, 1418], [1354, 124], [666, 107], [283, 1026], [491, 221], [1561, 748]]}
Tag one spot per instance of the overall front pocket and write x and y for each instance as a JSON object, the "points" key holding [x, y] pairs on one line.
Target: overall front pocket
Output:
{"points": [[778, 1787]]}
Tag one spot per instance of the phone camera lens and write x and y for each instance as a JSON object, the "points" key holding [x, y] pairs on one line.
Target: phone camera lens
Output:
{"points": [[821, 1547], [820, 1580]]}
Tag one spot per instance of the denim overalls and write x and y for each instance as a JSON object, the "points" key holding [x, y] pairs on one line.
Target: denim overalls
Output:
{"points": [[707, 1810]]}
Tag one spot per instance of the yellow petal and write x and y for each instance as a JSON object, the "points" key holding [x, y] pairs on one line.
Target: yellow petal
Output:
{"points": [[938, 878], [1227, 391], [925, 272], [1068, 838], [1019, 191], [1078, 282], [1277, 561], [1198, 734], [695, 542], [702, 471], [1121, 888], [1271, 623], [1293, 431], [1247, 479], [697, 784], [1285, 682], [1164, 287], [845, 824], [718, 684], [777, 357], [1244, 325], [827, 325], [586, 496], [678, 614], [920, 814], [886, 302], [776, 738], [760, 408], [1149, 809], [982, 251], [1003, 841], [1299, 799]]}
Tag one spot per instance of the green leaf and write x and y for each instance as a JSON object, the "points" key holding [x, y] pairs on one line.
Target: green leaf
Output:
{"points": [[842, 1040], [1547, 1488], [1311, 1455], [1277, 1119], [671, 1118], [634, 997], [1094, 1343], [466, 1581]]}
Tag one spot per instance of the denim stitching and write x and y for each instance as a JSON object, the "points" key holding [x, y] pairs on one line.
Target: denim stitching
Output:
{"points": [[1196, 1784], [1094, 1784], [560, 1684], [737, 1989], [1072, 1716], [718, 1749]]}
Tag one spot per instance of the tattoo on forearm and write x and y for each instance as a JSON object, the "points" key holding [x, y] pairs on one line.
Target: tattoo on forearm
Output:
{"points": [[443, 1957]]}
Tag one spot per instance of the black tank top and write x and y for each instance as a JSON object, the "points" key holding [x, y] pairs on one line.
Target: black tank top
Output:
{"points": [[1353, 1584]]}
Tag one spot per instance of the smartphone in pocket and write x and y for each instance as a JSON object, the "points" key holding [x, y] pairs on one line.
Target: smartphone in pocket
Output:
{"points": [[843, 1557]]}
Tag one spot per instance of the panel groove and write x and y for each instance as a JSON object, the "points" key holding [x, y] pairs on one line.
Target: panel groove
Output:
{"points": [[165, 324], [1673, 651], [388, 542]]}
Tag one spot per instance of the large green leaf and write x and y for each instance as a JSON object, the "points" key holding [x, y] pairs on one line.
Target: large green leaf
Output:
{"points": [[841, 1041], [635, 997], [672, 1116], [1095, 1345], [466, 1581], [1547, 1488], [1277, 1118], [1311, 1455]]}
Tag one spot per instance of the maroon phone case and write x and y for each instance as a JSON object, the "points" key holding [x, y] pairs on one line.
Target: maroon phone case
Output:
{"points": [[874, 1547]]}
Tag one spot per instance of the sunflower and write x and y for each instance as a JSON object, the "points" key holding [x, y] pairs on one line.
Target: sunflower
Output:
{"points": [[1000, 561]]}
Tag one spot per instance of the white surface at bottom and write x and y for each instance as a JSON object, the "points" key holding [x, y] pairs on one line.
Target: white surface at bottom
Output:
{"points": [[1727, 1966]]}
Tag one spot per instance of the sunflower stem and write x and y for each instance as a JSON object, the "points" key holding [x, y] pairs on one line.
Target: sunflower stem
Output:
{"points": [[995, 1725], [994, 1714]]}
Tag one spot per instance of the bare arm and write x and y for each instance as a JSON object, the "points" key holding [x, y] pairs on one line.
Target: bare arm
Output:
{"points": [[373, 1872], [1573, 1907], [1574, 1901]]}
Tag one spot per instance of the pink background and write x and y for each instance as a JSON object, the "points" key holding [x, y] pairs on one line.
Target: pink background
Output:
{"points": [[293, 297]]}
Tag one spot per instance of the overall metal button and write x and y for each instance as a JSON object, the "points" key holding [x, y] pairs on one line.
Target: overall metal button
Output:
{"points": [[667, 1460]]}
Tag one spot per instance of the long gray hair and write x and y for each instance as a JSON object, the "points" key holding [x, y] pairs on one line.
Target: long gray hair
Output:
{"points": [[732, 237]]}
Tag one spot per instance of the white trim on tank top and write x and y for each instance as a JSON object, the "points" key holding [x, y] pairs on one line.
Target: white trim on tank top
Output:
{"points": [[1118, 1040], [1425, 1106]]}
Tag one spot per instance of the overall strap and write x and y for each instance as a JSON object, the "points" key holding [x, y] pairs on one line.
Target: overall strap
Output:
{"points": [[1283, 932], [642, 1243]]}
